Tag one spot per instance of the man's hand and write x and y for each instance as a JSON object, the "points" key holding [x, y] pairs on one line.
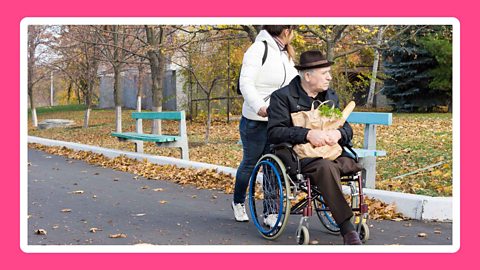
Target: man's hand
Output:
{"points": [[263, 111], [320, 138], [333, 137]]}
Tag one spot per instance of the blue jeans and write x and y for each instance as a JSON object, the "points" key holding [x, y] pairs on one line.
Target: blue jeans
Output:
{"points": [[254, 142]]}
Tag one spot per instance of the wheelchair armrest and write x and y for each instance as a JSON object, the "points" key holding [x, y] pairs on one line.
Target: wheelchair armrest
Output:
{"points": [[288, 156], [350, 148], [279, 146]]}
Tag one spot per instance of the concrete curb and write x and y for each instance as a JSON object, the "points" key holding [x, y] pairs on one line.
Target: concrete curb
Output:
{"points": [[410, 205]]}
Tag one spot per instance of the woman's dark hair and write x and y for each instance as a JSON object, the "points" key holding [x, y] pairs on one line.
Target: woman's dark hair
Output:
{"points": [[276, 30]]}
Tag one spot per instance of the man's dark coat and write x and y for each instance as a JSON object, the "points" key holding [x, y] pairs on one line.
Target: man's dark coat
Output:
{"points": [[290, 99]]}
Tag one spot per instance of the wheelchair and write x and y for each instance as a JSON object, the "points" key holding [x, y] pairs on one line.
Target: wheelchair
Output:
{"points": [[277, 186]]}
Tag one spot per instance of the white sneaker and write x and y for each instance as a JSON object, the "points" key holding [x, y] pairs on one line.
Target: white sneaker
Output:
{"points": [[239, 212], [270, 220]]}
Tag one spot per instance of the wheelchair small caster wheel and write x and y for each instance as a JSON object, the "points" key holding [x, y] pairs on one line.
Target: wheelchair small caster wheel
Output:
{"points": [[364, 232], [303, 237]]}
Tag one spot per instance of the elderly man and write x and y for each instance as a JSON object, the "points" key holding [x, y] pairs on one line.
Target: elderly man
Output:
{"points": [[312, 84]]}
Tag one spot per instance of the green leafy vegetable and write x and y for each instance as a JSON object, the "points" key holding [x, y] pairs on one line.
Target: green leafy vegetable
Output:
{"points": [[328, 111]]}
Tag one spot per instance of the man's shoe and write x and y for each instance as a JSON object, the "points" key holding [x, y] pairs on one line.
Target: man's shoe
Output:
{"points": [[270, 220], [352, 238], [239, 212]]}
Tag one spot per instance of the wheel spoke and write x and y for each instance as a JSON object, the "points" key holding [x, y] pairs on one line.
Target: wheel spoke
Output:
{"points": [[269, 197]]}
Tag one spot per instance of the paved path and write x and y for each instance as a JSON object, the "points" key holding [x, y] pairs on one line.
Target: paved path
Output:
{"points": [[163, 213]]}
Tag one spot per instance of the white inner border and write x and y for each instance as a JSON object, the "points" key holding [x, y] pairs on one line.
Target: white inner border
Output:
{"points": [[239, 248]]}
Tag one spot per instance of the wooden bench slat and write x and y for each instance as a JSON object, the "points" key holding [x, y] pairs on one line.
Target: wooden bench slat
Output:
{"points": [[157, 115], [370, 118], [145, 137]]}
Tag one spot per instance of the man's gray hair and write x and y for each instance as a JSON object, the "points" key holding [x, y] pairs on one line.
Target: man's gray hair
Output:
{"points": [[303, 72]]}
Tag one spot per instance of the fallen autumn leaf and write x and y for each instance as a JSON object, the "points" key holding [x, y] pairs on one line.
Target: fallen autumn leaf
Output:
{"points": [[41, 232], [118, 235]]}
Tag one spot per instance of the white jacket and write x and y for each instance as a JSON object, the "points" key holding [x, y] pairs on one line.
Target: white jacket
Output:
{"points": [[257, 82]]}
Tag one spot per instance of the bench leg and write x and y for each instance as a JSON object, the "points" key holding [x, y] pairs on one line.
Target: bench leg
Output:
{"points": [[139, 146], [369, 164], [185, 153]]}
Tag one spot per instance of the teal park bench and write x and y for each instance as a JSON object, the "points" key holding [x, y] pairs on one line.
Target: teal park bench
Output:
{"points": [[139, 137], [369, 152]]}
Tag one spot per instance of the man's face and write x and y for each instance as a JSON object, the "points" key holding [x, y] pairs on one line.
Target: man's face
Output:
{"points": [[320, 78]]}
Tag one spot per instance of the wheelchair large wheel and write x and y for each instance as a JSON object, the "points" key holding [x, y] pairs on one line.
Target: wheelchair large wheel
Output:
{"points": [[326, 218], [269, 193]]}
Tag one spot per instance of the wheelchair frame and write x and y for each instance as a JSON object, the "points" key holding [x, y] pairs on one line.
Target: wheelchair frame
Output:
{"points": [[281, 194]]}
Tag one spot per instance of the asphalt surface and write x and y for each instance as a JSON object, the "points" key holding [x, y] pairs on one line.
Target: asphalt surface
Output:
{"points": [[76, 203]]}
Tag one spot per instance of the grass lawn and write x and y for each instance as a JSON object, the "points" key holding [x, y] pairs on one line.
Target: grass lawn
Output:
{"points": [[413, 142]]}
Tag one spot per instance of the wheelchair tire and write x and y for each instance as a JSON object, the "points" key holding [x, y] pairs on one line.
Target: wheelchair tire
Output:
{"points": [[326, 218], [364, 232], [303, 236], [357, 220], [270, 194]]}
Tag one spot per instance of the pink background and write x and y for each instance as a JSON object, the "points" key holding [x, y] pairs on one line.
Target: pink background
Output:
{"points": [[10, 232]]}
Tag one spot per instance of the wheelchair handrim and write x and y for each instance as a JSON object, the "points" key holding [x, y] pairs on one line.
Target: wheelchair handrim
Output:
{"points": [[253, 210]]}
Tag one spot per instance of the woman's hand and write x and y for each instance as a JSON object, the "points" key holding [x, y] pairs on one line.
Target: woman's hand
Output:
{"points": [[263, 111]]}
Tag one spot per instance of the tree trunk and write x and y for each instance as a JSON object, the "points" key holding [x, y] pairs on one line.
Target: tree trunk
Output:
{"points": [[139, 88], [30, 71], [190, 96], [117, 95], [69, 91], [139, 103], [30, 96], [79, 97], [51, 89], [376, 60], [34, 117], [252, 31], [157, 67], [209, 121], [157, 123], [330, 50], [88, 103], [86, 117], [33, 109], [373, 80], [118, 118], [117, 87], [157, 82]]}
